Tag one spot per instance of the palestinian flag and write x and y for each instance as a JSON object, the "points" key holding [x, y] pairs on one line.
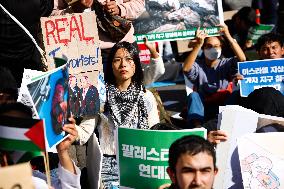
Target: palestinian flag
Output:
{"points": [[21, 157], [20, 134]]}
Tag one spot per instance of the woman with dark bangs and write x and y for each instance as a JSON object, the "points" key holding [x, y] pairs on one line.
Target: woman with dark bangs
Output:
{"points": [[128, 104]]}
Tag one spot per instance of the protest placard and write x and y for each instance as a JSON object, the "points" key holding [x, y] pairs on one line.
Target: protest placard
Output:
{"points": [[144, 53], [143, 157], [16, 177], [256, 31], [48, 95], [24, 96], [236, 121], [261, 160], [74, 37], [174, 20], [261, 73]]}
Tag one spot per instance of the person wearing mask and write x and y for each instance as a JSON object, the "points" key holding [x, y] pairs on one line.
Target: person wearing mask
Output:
{"points": [[211, 74]]}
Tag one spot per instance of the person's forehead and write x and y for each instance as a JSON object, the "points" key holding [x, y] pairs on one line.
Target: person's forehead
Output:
{"points": [[122, 52], [198, 161], [212, 40], [270, 44]]}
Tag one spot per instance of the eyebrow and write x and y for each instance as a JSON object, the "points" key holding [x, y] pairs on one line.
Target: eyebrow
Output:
{"points": [[193, 169]]}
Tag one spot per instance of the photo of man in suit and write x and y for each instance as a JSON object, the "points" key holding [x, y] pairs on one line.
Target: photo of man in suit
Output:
{"points": [[74, 96], [90, 102]]}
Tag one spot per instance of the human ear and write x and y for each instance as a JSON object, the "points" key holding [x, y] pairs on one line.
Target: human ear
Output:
{"points": [[216, 171], [171, 175]]}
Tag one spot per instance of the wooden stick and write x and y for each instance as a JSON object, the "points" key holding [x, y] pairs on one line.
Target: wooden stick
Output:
{"points": [[47, 169], [5, 161]]}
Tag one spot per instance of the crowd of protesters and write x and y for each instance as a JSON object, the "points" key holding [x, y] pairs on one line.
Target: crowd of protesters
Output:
{"points": [[214, 75]]}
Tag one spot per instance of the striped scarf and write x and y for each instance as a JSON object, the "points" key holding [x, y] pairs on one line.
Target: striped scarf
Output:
{"points": [[127, 108]]}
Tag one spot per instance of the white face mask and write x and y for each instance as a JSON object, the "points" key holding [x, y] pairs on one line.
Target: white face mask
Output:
{"points": [[212, 53]]}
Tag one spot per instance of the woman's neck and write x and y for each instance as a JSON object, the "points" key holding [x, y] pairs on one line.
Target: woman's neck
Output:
{"points": [[123, 85]]}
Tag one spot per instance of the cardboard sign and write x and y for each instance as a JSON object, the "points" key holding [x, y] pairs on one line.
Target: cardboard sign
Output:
{"points": [[143, 158], [16, 177], [176, 20], [262, 73], [75, 37]]}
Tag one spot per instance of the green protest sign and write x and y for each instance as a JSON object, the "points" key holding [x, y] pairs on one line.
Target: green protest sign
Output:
{"points": [[143, 155], [177, 20], [176, 35], [257, 31]]}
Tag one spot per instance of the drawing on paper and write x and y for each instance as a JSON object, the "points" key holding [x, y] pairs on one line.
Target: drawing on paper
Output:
{"points": [[257, 173]]}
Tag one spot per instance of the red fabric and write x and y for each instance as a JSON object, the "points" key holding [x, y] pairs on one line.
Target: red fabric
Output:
{"points": [[36, 134], [220, 96]]}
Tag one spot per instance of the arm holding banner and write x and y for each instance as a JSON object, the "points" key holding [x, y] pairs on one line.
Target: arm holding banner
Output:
{"points": [[156, 68], [199, 40], [233, 43]]}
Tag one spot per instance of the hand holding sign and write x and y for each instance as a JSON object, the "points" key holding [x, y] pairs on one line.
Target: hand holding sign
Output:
{"points": [[66, 143], [200, 35], [112, 8]]}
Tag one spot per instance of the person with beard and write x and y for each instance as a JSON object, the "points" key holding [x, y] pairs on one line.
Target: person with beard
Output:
{"points": [[211, 74], [192, 163]]}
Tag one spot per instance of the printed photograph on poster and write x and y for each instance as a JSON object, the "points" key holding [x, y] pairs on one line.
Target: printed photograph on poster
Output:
{"points": [[50, 95], [177, 19], [84, 100]]}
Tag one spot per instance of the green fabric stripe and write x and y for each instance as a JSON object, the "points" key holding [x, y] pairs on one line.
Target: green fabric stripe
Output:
{"points": [[10, 144], [28, 156]]}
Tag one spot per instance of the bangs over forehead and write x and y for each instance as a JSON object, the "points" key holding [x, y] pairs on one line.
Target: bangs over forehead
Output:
{"points": [[132, 49]]}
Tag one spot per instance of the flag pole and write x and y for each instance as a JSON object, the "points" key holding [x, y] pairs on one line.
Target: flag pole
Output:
{"points": [[5, 161], [47, 169]]}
